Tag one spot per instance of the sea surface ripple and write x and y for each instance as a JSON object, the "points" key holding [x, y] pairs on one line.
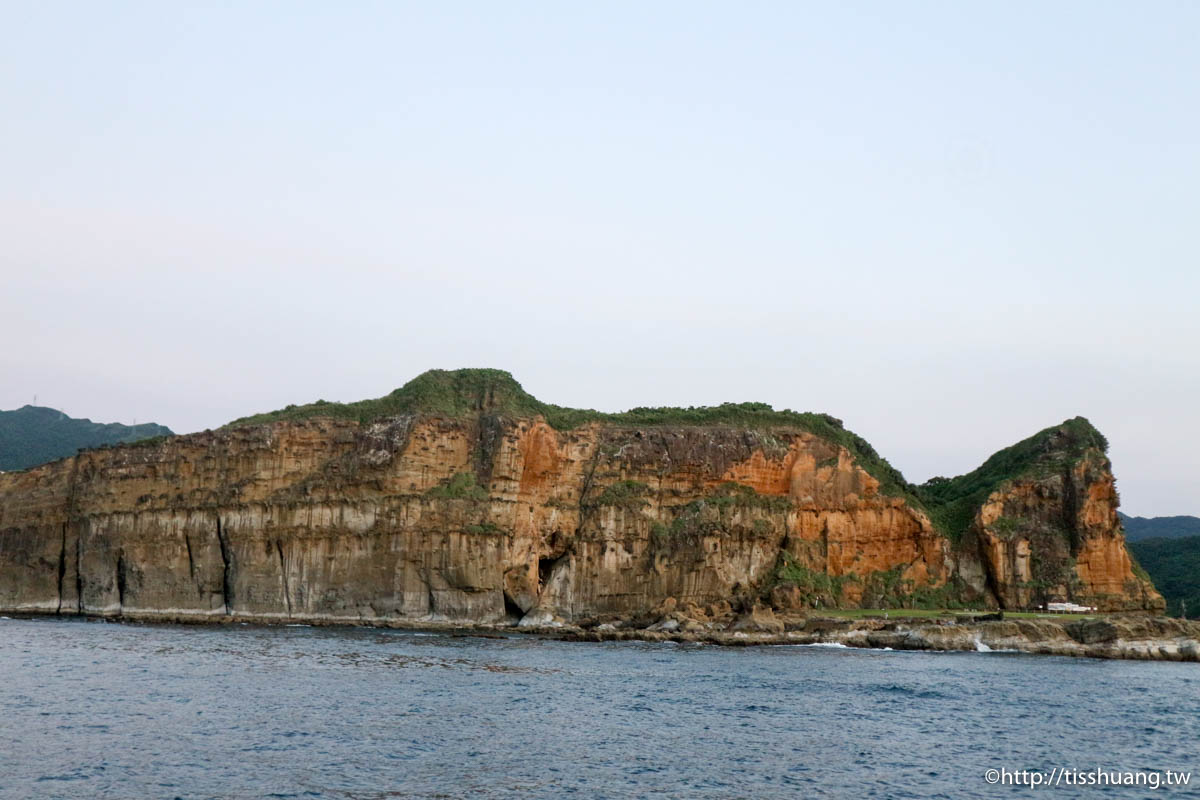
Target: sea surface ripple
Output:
{"points": [[102, 710]]}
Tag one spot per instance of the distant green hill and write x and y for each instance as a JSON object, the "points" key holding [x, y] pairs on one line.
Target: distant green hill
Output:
{"points": [[1174, 566], [1159, 527], [33, 435]]}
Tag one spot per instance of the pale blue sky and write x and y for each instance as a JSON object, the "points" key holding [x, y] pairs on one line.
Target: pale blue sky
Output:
{"points": [[950, 224]]}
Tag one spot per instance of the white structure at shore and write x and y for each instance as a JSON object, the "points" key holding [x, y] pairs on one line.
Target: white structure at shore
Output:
{"points": [[1068, 608]]}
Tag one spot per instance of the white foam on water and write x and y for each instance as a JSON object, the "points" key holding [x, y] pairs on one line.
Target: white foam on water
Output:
{"points": [[840, 646]]}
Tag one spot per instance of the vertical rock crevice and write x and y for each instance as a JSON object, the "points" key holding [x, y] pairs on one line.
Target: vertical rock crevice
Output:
{"points": [[586, 511], [121, 579], [431, 598], [489, 436], [79, 573], [72, 516], [187, 541], [588, 479], [1070, 510], [62, 568], [227, 568], [287, 590], [993, 581]]}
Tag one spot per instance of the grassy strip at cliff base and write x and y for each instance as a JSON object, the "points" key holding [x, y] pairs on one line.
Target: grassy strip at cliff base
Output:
{"points": [[935, 613]]}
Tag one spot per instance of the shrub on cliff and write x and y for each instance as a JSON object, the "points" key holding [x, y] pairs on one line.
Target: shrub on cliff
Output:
{"points": [[811, 588], [461, 486], [623, 494], [736, 495]]}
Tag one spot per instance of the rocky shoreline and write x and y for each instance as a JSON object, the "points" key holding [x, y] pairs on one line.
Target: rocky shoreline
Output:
{"points": [[1146, 639], [1133, 637]]}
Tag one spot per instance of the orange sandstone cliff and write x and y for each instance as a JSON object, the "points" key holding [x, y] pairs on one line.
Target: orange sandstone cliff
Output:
{"points": [[459, 498]]}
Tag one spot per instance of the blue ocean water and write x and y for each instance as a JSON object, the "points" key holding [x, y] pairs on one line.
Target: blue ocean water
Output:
{"points": [[97, 710]]}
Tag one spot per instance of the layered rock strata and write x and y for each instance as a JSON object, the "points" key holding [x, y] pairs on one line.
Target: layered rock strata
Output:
{"points": [[490, 517]]}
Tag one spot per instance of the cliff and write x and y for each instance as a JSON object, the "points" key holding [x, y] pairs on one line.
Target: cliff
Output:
{"points": [[1041, 516], [460, 498]]}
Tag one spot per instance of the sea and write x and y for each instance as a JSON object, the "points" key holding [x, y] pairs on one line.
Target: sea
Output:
{"points": [[91, 709]]}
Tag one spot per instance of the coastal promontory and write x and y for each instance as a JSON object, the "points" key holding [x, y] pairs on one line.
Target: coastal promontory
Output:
{"points": [[460, 498]]}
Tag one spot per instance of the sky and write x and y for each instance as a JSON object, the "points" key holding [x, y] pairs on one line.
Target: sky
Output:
{"points": [[949, 224]]}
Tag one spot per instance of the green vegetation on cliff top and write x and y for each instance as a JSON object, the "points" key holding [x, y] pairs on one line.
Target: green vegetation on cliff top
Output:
{"points": [[457, 393], [33, 435], [952, 502]]}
